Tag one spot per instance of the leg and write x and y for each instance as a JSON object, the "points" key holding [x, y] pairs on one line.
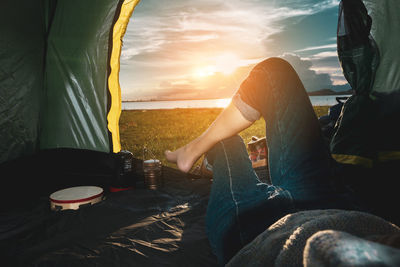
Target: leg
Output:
{"points": [[240, 206], [299, 160], [228, 123]]}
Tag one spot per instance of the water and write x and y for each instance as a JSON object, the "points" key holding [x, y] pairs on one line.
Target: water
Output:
{"points": [[327, 100]]}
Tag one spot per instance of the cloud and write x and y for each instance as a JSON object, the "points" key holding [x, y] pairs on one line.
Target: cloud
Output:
{"points": [[313, 48], [313, 80], [222, 24], [219, 85], [327, 61], [164, 43]]}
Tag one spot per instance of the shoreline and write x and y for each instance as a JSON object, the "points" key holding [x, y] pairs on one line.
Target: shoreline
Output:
{"points": [[212, 99], [213, 103]]}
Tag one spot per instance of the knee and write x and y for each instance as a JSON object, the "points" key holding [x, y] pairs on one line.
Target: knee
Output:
{"points": [[266, 77], [274, 63], [233, 143]]}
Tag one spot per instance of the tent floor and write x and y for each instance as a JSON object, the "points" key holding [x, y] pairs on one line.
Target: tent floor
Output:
{"points": [[136, 227]]}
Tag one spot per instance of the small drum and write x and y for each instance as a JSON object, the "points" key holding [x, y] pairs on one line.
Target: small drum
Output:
{"points": [[75, 197]]}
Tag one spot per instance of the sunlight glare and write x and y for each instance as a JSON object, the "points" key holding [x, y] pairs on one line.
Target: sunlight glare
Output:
{"points": [[222, 103], [227, 63], [204, 71]]}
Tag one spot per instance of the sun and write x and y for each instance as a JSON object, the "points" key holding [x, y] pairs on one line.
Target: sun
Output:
{"points": [[225, 63], [205, 71]]}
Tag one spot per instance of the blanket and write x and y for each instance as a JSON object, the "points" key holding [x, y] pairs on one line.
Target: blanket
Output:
{"points": [[322, 238]]}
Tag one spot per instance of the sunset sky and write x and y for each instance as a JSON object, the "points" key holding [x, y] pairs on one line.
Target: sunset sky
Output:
{"points": [[188, 49]]}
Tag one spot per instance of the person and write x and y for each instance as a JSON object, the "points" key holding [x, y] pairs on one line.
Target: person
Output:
{"points": [[306, 173], [301, 169]]}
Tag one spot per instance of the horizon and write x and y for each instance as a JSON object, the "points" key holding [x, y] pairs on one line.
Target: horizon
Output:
{"points": [[321, 92], [191, 50]]}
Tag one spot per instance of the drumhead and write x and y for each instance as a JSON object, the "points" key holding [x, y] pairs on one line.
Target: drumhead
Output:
{"points": [[76, 194]]}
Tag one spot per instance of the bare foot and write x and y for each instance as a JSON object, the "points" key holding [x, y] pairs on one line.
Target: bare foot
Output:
{"points": [[182, 157]]}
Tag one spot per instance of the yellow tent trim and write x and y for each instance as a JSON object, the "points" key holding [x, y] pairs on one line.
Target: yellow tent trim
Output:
{"points": [[388, 155], [353, 159], [113, 80]]}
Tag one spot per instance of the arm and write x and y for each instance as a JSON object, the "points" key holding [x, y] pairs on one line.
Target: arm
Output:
{"points": [[228, 123]]}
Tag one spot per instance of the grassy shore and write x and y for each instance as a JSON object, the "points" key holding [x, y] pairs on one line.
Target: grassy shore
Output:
{"points": [[159, 130]]}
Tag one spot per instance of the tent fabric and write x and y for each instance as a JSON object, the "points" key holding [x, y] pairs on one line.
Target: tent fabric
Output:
{"points": [[366, 130], [384, 30], [32, 176], [386, 88], [59, 75], [164, 227], [59, 111], [359, 58], [113, 80], [22, 49], [77, 75], [138, 227]]}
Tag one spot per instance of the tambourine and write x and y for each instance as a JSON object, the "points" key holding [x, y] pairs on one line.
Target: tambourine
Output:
{"points": [[75, 197]]}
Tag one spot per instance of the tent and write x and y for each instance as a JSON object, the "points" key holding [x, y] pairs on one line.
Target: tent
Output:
{"points": [[60, 97], [367, 43], [60, 65], [60, 103]]}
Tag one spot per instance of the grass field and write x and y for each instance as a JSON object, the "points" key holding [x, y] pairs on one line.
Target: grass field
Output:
{"points": [[159, 130]]}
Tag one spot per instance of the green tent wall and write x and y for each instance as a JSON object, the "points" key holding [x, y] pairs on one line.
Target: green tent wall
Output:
{"points": [[386, 21], [366, 133], [22, 50], [59, 75]]}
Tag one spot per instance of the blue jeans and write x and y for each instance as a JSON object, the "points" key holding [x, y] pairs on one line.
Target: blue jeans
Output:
{"points": [[301, 169]]}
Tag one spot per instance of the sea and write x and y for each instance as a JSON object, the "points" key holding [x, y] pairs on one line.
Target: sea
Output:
{"points": [[325, 100]]}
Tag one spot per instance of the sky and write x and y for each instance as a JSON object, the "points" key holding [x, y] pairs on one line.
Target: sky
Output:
{"points": [[204, 49]]}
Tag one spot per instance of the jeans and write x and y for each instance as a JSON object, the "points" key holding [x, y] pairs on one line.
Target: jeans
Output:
{"points": [[301, 169]]}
